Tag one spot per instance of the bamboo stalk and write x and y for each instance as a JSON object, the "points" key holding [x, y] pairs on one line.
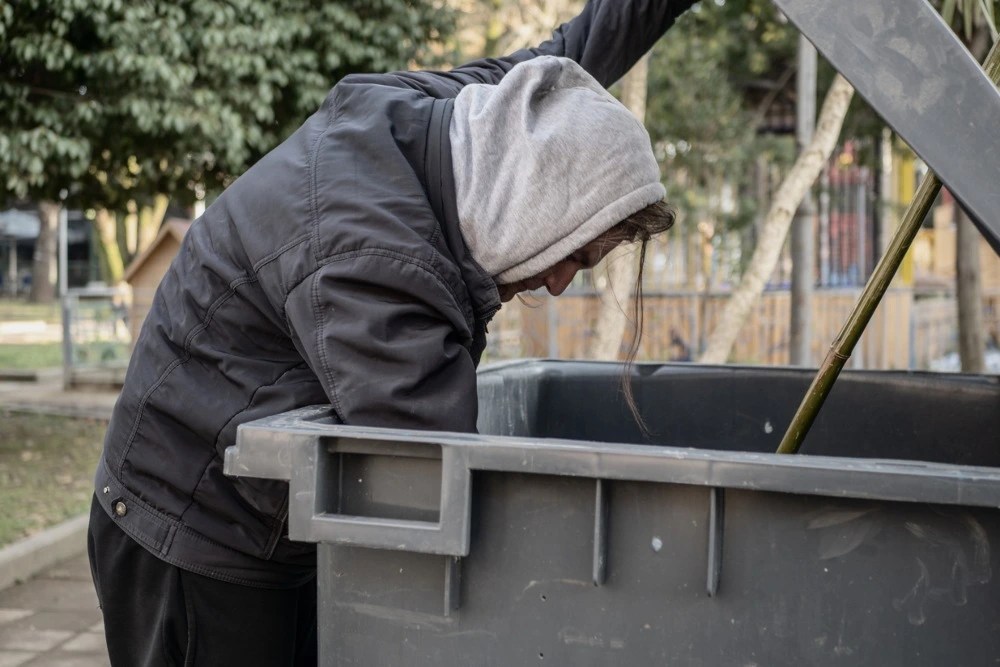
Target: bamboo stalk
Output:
{"points": [[870, 298]]}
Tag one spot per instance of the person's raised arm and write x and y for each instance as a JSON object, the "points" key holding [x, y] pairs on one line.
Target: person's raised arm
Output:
{"points": [[607, 38]]}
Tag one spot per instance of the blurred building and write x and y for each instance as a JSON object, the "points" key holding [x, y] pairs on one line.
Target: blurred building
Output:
{"points": [[19, 228], [146, 271]]}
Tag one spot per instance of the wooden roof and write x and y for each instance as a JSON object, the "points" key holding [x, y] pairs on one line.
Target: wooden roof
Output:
{"points": [[174, 228]]}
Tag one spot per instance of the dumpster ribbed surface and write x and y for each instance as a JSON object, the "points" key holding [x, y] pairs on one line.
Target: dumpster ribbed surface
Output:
{"points": [[559, 536]]}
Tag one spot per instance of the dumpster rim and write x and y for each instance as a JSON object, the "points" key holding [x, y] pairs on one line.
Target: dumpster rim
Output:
{"points": [[268, 439]]}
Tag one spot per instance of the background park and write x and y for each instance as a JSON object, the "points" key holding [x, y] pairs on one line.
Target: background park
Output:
{"points": [[120, 122]]}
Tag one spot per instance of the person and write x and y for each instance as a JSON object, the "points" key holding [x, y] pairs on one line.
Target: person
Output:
{"points": [[357, 264]]}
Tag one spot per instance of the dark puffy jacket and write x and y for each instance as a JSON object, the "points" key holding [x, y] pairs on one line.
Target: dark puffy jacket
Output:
{"points": [[332, 271]]}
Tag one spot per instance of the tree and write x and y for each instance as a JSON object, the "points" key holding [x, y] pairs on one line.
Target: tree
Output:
{"points": [[978, 26], [788, 197], [717, 82], [43, 265], [969, 294], [803, 241], [490, 28], [713, 81], [118, 103]]}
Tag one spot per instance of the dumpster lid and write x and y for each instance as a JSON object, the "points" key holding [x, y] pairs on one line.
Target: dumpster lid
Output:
{"points": [[909, 65]]}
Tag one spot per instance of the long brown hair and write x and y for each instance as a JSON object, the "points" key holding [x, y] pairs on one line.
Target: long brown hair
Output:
{"points": [[640, 227]]}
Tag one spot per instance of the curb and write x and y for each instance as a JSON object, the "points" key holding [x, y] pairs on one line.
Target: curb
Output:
{"points": [[29, 374], [78, 411], [25, 558]]}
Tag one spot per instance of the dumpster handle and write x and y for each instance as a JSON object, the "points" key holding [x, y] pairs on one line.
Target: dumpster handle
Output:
{"points": [[309, 521]]}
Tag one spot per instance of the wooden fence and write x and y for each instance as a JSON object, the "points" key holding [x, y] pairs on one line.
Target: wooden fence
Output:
{"points": [[907, 331]]}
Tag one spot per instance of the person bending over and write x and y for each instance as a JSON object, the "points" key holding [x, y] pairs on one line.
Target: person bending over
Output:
{"points": [[357, 264]]}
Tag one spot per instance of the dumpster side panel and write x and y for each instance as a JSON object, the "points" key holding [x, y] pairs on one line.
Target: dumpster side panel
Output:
{"points": [[802, 580], [515, 551]]}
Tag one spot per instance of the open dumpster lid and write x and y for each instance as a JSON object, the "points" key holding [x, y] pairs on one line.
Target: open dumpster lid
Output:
{"points": [[902, 57]]}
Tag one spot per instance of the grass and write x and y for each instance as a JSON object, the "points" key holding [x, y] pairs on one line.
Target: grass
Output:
{"points": [[46, 470], [17, 310], [30, 355]]}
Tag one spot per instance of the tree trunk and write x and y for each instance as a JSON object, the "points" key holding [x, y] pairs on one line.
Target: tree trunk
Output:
{"points": [[622, 263], [44, 263], [971, 340], [128, 232], [968, 278], [779, 217], [803, 245], [112, 266], [802, 289], [150, 221]]}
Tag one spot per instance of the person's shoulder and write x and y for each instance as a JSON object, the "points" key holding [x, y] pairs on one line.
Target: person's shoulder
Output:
{"points": [[390, 83]]}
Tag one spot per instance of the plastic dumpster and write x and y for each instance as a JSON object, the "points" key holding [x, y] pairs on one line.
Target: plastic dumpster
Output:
{"points": [[559, 536]]}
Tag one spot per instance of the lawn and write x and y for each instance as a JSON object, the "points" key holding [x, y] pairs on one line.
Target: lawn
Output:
{"points": [[30, 355], [46, 470], [17, 310]]}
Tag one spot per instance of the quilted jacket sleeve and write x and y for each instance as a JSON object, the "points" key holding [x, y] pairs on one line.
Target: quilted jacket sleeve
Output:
{"points": [[387, 341], [606, 38]]}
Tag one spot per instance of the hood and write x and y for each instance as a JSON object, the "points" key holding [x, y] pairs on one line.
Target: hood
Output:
{"points": [[545, 162]]}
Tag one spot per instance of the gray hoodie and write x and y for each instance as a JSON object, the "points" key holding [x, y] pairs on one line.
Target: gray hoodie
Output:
{"points": [[545, 161]]}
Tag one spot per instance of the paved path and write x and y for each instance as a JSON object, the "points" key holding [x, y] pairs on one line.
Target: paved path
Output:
{"points": [[53, 620], [50, 398], [30, 331]]}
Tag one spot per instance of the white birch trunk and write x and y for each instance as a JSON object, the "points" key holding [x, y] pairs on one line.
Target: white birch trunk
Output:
{"points": [[779, 217]]}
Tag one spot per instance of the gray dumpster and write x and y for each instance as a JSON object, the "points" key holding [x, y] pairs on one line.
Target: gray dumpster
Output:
{"points": [[560, 535]]}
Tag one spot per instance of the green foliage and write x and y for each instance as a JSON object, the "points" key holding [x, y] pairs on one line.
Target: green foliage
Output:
{"points": [[113, 100], [711, 81], [964, 15]]}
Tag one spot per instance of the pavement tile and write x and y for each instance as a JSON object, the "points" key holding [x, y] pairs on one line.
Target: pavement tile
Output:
{"points": [[10, 615], [59, 659], [49, 397], [15, 658], [53, 620], [86, 642], [31, 639], [54, 594], [70, 621], [74, 568]]}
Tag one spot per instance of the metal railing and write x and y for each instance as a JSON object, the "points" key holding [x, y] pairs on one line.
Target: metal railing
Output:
{"points": [[95, 335]]}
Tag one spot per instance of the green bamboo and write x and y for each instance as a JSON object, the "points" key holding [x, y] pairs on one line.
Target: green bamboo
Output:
{"points": [[870, 298]]}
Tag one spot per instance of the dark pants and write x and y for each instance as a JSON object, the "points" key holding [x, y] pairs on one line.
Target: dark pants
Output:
{"points": [[158, 614]]}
